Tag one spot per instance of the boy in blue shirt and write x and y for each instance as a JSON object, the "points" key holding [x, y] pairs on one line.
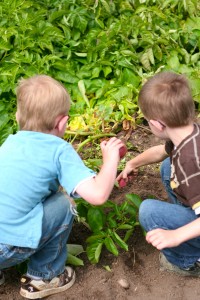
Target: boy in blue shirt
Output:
{"points": [[35, 216]]}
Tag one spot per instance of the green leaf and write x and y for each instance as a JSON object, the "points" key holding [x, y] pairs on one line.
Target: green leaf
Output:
{"points": [[95, 219], [125, 226], [73, 260], [195, 57], [134, 199], [112, 222], [145, 61], [75, 249], [94, 251], [106, 6], [119, 241], [81, 87], [95, 238], [128, 234], [108, 242], [4, 119]]}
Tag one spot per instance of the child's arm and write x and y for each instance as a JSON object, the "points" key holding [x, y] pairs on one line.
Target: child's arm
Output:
{"points": [[161, 238], [152, 155], [97, 190]]}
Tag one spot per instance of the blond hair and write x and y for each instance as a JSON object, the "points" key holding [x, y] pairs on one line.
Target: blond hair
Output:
{"points": [[167, 97], [40, 100]]}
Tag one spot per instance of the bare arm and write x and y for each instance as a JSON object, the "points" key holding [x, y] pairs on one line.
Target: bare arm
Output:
{"points": [[152, 155], [161, 238], [97, 190]]}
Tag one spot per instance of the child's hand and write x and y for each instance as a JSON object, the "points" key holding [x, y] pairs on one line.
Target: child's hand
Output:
{"points": [[128, 172], [110, 149], [161, 238]]}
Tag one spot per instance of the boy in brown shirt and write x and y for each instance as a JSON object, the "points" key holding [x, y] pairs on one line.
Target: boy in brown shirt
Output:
{"points": [[174, 227]]}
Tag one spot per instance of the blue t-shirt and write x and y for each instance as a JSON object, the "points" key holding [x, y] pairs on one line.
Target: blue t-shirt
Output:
{"points": [[33, 165]]}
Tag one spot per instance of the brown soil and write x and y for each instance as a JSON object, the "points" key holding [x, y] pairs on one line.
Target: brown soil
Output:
{"points": [[139, 266]]}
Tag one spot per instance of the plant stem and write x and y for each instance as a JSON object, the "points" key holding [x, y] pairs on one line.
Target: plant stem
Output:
{"points": [[97, 136]]}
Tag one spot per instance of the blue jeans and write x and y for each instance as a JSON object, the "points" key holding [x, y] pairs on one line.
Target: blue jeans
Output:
{"points": [[159, 214], [48, 260]]}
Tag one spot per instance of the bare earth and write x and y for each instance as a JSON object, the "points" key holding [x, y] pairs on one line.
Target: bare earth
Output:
{"points": [[139, 266]]}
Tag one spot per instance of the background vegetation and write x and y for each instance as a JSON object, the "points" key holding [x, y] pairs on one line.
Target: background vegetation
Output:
{"points": [[102, 51]]}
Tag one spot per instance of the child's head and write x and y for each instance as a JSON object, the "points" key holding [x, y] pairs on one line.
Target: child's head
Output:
{"points": [[40, 101], [167, 97]]}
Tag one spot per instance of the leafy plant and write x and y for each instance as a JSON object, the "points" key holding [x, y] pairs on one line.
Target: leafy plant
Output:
{"points": [[102, 51], [111, 225]]}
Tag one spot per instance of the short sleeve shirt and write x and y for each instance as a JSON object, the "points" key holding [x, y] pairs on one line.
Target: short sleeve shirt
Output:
{"points": [[33, 166], [185, 168]]}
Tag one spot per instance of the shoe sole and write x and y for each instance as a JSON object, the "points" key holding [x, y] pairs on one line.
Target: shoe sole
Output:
{"points": [[165, 265], [48, 292]]}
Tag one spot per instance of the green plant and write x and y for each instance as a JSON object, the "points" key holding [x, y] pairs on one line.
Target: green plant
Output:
{"points": [[111, 225], [102, 51]]}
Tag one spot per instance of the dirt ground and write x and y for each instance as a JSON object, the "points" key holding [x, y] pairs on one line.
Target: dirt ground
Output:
{"points": [[139, 266]]}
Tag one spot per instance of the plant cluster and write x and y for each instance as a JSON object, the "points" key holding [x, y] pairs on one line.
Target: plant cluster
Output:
{"points": [[111, 225], [101, 50]]}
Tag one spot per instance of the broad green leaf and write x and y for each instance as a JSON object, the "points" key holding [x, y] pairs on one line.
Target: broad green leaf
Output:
{"points": [[134, 199], [95, 219], [95, 238], [145, 60], [74, 261], [75, 249], [66, 77], [94, 251], [106, 6], [108, 242], [119, 241], [4, 119], [195, 57], [173, 62]]}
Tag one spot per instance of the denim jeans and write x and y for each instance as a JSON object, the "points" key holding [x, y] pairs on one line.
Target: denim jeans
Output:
{"points": [[48, 260], [159, 214]]}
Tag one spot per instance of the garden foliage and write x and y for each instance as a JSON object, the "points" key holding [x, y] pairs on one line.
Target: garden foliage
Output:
{"points": [[111, 225], [101, 50]]}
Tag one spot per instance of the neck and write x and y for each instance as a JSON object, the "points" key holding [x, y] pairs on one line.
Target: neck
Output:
{"points": [[177, 135]]}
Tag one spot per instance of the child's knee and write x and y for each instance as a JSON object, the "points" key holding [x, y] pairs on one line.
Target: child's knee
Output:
{"points": [[147, 209]]}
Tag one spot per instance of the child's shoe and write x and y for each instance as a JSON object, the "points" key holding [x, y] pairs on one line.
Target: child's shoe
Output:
{"points": [[33, 289], [2, 278], [165, 265]]}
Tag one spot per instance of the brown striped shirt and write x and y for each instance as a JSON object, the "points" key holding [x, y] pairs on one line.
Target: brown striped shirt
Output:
{"points": [[185, 168]]}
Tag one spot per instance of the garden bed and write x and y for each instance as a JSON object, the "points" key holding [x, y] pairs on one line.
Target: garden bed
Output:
{"points": [[139, 267]]}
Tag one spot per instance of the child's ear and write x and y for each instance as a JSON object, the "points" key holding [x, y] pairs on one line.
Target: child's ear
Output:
{"points": [[157, 124], [17, 116], [62, 123]]}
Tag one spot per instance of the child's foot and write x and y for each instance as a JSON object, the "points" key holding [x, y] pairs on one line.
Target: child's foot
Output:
{"points": [[33, 289], [2, 278], [165, 265]]}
